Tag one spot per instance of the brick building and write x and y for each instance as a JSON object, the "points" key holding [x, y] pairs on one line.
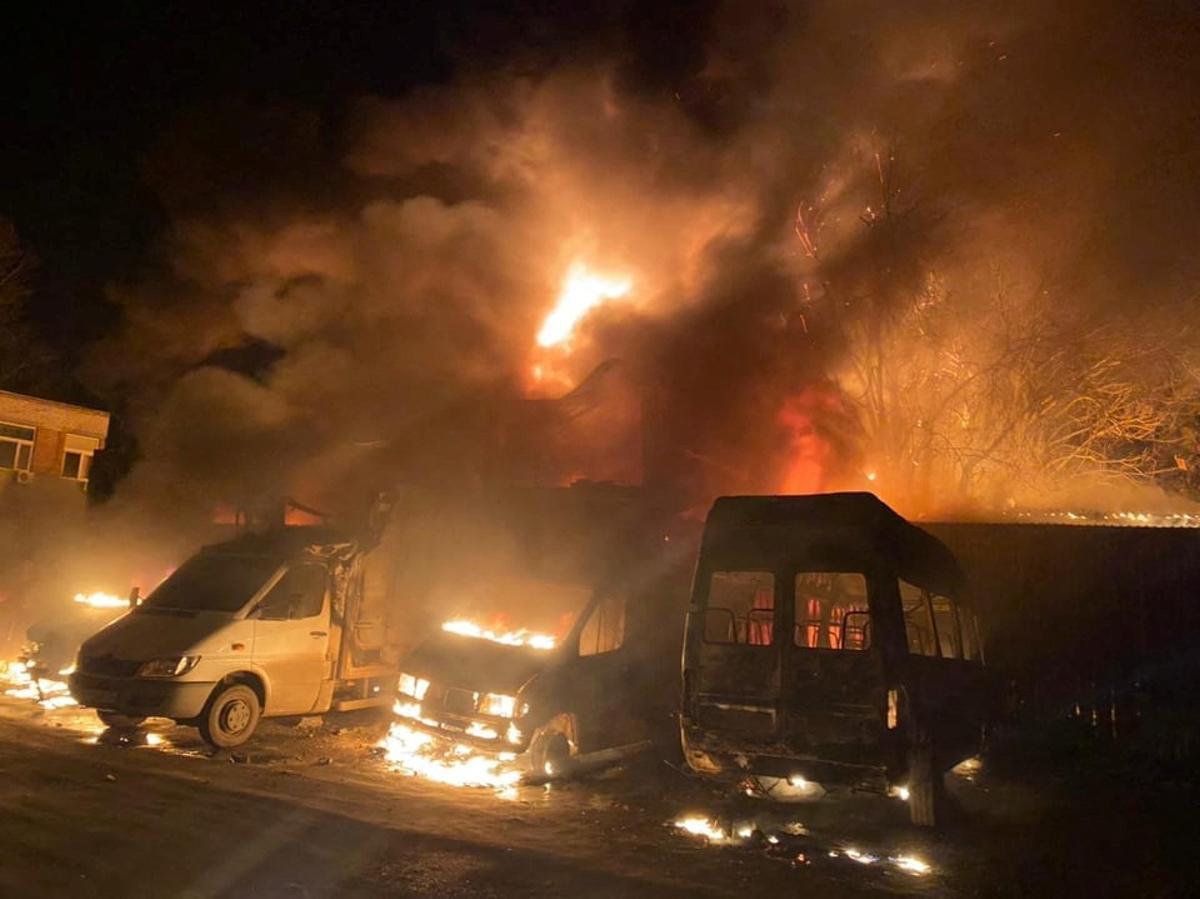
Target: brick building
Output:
{"points": [[43, 439]]}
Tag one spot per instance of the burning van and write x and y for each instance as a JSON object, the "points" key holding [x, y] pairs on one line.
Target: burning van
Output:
{"points": [[553, 654], [828, 643]]}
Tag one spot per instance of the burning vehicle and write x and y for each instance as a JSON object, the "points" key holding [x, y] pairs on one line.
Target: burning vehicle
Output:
{"points": [[828, 643], [553, 660], [53, 641], [289, 622]]}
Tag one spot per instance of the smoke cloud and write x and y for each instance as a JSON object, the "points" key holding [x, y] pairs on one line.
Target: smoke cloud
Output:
{"points": [[363, 290]]}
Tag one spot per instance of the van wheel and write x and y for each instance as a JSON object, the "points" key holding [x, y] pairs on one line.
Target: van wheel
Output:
{"points": [[550, 756], [112, 719], [230, 717], [926, 784]]}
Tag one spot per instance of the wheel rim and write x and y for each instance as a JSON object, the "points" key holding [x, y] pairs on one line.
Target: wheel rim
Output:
{"points": [[235, 716], [558, 753]]}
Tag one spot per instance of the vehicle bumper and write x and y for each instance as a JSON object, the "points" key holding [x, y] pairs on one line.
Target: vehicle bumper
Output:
{"points": [[457, 729], [140, 697], [709, 754]]}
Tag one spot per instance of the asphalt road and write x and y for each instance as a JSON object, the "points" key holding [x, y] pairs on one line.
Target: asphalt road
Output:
{"points": [[315, 811]]}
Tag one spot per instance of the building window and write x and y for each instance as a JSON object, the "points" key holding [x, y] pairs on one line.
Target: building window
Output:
{"points": [[75, 465], [16, 446], [77, 456]]}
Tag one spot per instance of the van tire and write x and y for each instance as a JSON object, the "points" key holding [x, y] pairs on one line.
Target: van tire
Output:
{"points": [[118, 721], [230, 717], [550, 756], [926, 784]]}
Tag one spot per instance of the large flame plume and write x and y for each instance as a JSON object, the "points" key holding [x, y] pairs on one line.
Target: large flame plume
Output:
{"points": [[582, 291]]}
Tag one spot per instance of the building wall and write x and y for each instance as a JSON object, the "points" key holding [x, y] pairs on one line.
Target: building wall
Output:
{"points": [[54, 422]]}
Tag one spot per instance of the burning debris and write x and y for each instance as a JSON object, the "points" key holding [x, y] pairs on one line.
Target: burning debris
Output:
{"points": [[26, 683], [788, 841], [442, 761]]}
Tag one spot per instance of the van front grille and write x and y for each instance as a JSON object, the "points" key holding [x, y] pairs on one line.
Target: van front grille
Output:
{"points": [[107, 666], [459, 702]]}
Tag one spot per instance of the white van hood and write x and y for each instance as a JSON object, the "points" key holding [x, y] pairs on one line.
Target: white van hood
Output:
{"points": [[141, 635]]}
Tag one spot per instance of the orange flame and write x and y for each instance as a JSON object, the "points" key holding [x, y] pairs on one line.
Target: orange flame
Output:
{"points": [[582, 291]]}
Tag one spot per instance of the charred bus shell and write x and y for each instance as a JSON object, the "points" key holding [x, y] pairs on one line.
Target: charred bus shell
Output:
{"points": [[829, 641]]}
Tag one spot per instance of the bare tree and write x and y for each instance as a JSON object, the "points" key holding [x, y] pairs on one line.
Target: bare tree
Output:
{"points": [[975, 394]]}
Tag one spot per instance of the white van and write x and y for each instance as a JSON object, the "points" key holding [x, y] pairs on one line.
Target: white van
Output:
{"points": [[282, 624]]}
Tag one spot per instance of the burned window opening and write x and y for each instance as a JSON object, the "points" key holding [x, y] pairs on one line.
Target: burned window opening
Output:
{"points": [[605, 628], [832, 611], [741, 608], [918, 621]]}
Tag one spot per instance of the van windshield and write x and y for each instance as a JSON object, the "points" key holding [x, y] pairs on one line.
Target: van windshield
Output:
{"points": [[520, 611], [212, 583]]}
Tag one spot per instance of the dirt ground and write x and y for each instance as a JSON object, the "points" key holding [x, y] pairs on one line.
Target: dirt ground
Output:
{"points": [[315, 811]]}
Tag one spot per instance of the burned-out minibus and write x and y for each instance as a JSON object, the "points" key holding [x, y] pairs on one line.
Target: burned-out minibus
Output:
{"points": [[828, 643]]}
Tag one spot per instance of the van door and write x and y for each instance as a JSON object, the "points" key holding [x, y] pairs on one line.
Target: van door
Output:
{"points": [[946, 681], [735, 683], [833, 671], [598, 678], [291, 638]]}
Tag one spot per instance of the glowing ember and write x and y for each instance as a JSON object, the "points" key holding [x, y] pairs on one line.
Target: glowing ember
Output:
{"points": [[910, 863], [699, 826], [510, 638], [863, 858], [582, 291], [968, 769], [790, 838], [48, 693], [901, 792], [102, 600], [456, 764], [1131, 519]]}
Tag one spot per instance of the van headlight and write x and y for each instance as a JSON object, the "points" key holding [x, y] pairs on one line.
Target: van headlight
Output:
{"points": [[169, 667], [497, 704], [415, 687]]}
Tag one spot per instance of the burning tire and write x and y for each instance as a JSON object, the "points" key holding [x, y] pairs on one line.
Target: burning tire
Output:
{"points": [[926, 785], [230, 717], [122, 722], [550, 756]]}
